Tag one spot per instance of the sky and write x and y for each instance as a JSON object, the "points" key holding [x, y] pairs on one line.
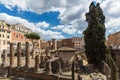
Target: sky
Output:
{"points": [[58, 19]]}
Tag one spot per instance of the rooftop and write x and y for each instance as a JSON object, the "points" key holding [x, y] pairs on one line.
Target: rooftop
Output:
{"points": [[66, 49]]}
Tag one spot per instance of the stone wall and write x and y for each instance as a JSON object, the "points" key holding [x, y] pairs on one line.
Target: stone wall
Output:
{"points": [[116, 56], [35, 75], [66, 56], [34, 72], [106, 70]]}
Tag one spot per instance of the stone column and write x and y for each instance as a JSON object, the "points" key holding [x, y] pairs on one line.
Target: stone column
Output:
{"points": [[55, 44], [11, 55], [33, 54], [19, 55], [27, 57], [48, 67], [4, 64], [37, 61], [60, 70], [42, 61]]}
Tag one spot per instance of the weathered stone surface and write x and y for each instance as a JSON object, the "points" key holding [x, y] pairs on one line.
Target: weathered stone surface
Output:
{"points": [[11, 55], [27, 57], [4, 63], [48, 67], [106, 70], [56, 66], [33, 54], [37, 61], [19, 55], [42, 61]]}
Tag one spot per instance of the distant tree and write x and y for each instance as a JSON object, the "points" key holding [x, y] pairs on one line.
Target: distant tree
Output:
{"points": [[34, 38]]}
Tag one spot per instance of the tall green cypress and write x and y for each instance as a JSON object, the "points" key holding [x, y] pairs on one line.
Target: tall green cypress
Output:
{"points": [[94, 35]]}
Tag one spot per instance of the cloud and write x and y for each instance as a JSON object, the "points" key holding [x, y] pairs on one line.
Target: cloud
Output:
{"points": [[42, 25], [47, 34], [50, 34], [59, 27], [69, 29], [71, 12], [10, 4]]}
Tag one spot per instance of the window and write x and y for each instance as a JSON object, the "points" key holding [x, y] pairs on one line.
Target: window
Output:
{"points": [[8, 36], [2, 26], [17, 35], [3, 30], [8, 32], [3, 35], [8, 42], [4, 42]]}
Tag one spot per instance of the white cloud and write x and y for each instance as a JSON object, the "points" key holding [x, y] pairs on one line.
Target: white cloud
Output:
{"points": [[79, 32], [47, 34], [50, 34], [71, 12], [21, 4], [114, 7], [42, 24], [69, 29], [59, 27]]}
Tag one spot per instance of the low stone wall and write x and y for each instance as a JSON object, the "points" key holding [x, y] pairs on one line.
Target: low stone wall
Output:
{"points": [[35, 72], [106, 70], [3, 71], [36, 75]]}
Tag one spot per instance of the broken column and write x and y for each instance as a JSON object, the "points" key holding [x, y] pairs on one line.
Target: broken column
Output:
{"points": [[48, 67], [42, 61], [4, 64], [59, 67], [37, 61], [11, 60], [11, 55], [19, 55], [33, 54], [27, 57]]}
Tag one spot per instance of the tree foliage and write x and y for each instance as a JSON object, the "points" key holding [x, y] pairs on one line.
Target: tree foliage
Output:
{"points": [[95, 35], [32, 36]]}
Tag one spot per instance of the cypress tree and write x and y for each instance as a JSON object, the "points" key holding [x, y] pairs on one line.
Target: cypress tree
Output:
{"points": [[94, 35]]}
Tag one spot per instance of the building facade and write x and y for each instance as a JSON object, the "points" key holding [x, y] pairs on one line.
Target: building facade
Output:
{"points": [[74, 42], [43, 44], [114, 40], [17, 34], [5, 35], [78, 42]]}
